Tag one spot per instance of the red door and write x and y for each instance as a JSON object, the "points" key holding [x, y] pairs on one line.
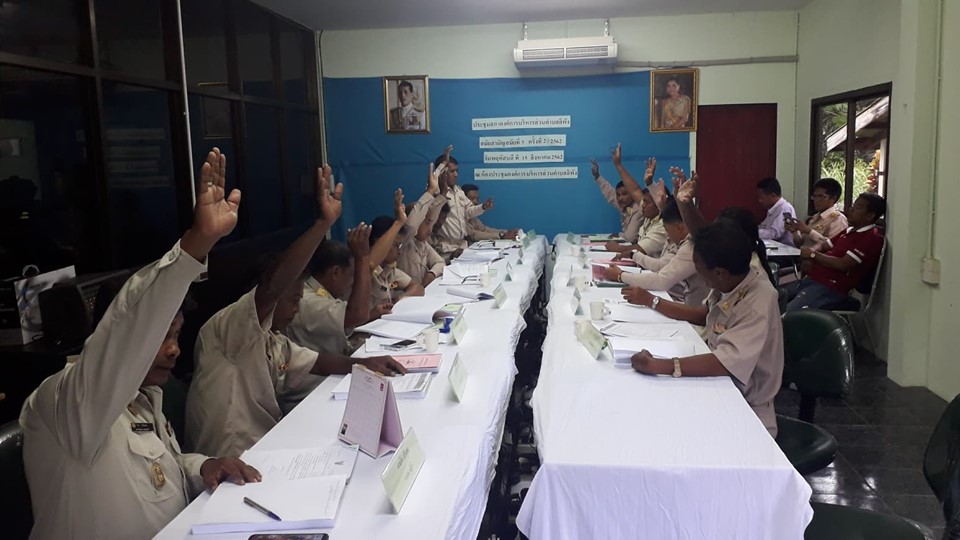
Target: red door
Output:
{"points": [[736, 148]]}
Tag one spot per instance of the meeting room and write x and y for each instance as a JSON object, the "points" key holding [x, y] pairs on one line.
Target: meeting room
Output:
{"points": [[321, 270]]}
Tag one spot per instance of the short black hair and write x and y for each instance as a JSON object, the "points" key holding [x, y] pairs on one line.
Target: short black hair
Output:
{"points": [[670, 213], [875, 204], [330, 253], [439, 160], [747, 221], [723, 244], [770, 186], [408, 84], [469, 187], [831, 186], [379, 227], [620, 185]]}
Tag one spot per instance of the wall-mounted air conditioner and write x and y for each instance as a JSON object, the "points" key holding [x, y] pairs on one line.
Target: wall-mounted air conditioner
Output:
{"points": [[587, 51]]}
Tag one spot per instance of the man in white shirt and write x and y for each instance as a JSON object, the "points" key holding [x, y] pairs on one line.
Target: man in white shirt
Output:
{"points": [[773, 227]]}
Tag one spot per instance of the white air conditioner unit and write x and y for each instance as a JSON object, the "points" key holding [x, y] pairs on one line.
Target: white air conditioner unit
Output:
{"points": [[587, 51]]}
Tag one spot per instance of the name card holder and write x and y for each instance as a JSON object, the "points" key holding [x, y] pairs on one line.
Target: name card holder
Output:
{"points": [[575, 302], [590, 338], [458, 378], [458, 328], [402, 471], [371, 419], [499, 297]]}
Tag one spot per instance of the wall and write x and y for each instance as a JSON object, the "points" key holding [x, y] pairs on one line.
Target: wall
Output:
{"points": [[484, 51]]}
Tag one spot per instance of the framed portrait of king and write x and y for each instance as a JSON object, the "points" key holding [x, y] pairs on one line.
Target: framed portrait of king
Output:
{"points": [[406, 104], [674, 97]]}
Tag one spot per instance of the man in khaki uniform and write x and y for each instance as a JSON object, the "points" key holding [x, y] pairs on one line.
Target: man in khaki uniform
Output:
{"points": [[247, 372], [678, 276], [417, 257], [827, 223], [476, 229], [630, 216], [325, 320], [452, 234], [100, 458], [742, 320]]}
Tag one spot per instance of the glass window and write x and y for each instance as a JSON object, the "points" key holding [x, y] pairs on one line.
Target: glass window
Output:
{"points": [[301, 167], [48, 29], [140, 176], [130, 38], [204, 44], [832, 150], [47, 192], [211, 125], [255, 53], [263, 192], [292, 43]]}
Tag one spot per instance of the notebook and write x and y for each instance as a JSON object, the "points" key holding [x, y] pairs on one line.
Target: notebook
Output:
{"points": [[409, 386], [624, 348]]}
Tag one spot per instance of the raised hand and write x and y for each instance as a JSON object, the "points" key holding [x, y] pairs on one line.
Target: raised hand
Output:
{"points": [[659, 193], [399, 211], [651, 169], [214, 215], [686, 190], [358, 240], [330, 203], [617, 155], [594, 168], [433, 182], [488, 204]]}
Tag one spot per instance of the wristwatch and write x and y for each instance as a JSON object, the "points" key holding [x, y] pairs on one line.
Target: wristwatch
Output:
{"points": [[655, 303], [501, 235], [676, 368]]}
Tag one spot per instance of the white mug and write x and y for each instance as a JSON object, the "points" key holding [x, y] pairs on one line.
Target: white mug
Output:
{"points": [[429, 339], [598, 311]]}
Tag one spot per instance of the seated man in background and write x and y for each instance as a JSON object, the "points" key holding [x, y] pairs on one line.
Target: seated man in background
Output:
{"points": [[853, 256], [476, 230], [451, 235], [246, 370], [826, 223], [779, 211], [100, 457], [630, 217], [742, 321], [678, 276], [325, 320], [389, 283], [417, 257], [651, 237]]}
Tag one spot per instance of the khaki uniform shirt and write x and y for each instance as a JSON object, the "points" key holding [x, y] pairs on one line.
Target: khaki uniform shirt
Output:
{"points": [[318, 325], [825, 225], [679, 277], [91, 475], [655, 264], [417, 258], [652, 236], [477, 231], [387, 285], [745, 334], [452, 235], [630, 218], [244, 375]]}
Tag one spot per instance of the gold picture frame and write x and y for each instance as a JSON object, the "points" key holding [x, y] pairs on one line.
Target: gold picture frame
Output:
{"points": [[412, 117], [674, 108]]}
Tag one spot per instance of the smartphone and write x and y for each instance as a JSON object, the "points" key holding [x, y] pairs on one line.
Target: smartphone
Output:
{"points": [[396, 346], [787, 216], [308, 536]]}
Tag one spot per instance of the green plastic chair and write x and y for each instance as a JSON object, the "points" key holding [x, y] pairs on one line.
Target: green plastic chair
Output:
{"points": [[818, 360], [941, 467]]}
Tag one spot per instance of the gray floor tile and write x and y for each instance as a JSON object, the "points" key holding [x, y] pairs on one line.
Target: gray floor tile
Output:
{"points": [[922, 508], [889, 481]]}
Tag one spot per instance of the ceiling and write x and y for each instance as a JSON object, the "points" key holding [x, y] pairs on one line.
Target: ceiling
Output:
{"points": [[355, 14]]}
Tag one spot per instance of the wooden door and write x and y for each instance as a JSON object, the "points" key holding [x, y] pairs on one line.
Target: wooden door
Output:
{"points": [[736, 148]]}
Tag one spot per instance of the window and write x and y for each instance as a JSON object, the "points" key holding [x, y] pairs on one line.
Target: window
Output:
{"points": [[850, 136], [262, 174], [47, 29], [129, 37], [254, 51]]}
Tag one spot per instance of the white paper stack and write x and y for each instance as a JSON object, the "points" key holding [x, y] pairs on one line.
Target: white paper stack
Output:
{"points": [[637, 314], [393, 329], [409, 386], [478, 256], [664, 331], [337, 459], [460, 272], [418, 309], [624, 348], [309, 503], [472, 293]]}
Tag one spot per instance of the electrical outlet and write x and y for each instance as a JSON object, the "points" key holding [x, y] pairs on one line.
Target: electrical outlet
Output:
{"points": [[930, 273]]}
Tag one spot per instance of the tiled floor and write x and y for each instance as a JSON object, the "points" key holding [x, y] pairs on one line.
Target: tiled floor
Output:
{"points": [[883, 430]]}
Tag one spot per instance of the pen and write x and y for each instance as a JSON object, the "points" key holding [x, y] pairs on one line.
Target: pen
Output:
{"points": [[268, 513]]}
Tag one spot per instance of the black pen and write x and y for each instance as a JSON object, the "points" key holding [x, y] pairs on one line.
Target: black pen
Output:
{"points": [[268, 513]]}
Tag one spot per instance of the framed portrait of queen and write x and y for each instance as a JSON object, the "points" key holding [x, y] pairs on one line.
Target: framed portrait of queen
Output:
{"points": [[406, 104], [673, 99]]}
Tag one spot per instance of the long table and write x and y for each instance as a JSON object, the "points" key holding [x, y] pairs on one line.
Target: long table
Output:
{"points": [[625, 455], [460, 440]]}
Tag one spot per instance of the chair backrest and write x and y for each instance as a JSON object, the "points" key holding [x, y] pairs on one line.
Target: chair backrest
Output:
{"points": [[864, 291], [16, 514], [818, 352], [175, 406], [941, 465]]}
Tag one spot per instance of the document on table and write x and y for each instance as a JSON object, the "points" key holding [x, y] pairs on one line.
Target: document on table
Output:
{"points": [[409, 386], [309, 503], [636, 314], [663, 331], [418, 309], [459, 273], [392, 329], [471, 293], [625, 348], [338, 459]]}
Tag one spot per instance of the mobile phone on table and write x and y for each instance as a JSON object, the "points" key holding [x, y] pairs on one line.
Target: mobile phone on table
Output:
{"points": [[286, 536], [399, 345]]}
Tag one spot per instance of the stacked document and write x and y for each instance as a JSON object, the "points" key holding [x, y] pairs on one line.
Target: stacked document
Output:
{"points": [[470, 293], [309, 503], [419, 309], [624, 348], [636, 314], [393, 329], [460, 272], [409, 386], [421, 363], [338, 459], [639, 331], [477, 256]]}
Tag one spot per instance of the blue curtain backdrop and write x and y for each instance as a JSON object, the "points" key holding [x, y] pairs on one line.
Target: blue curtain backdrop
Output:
{"points": [[605, 110]]}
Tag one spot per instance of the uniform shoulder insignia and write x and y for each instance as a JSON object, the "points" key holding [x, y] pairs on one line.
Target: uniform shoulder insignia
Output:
{"points": [[322, 293]]}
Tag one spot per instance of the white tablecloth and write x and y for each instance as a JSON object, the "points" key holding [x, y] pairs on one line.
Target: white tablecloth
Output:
{"points": [[460, 440], [625, 455], [779, 249]]}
